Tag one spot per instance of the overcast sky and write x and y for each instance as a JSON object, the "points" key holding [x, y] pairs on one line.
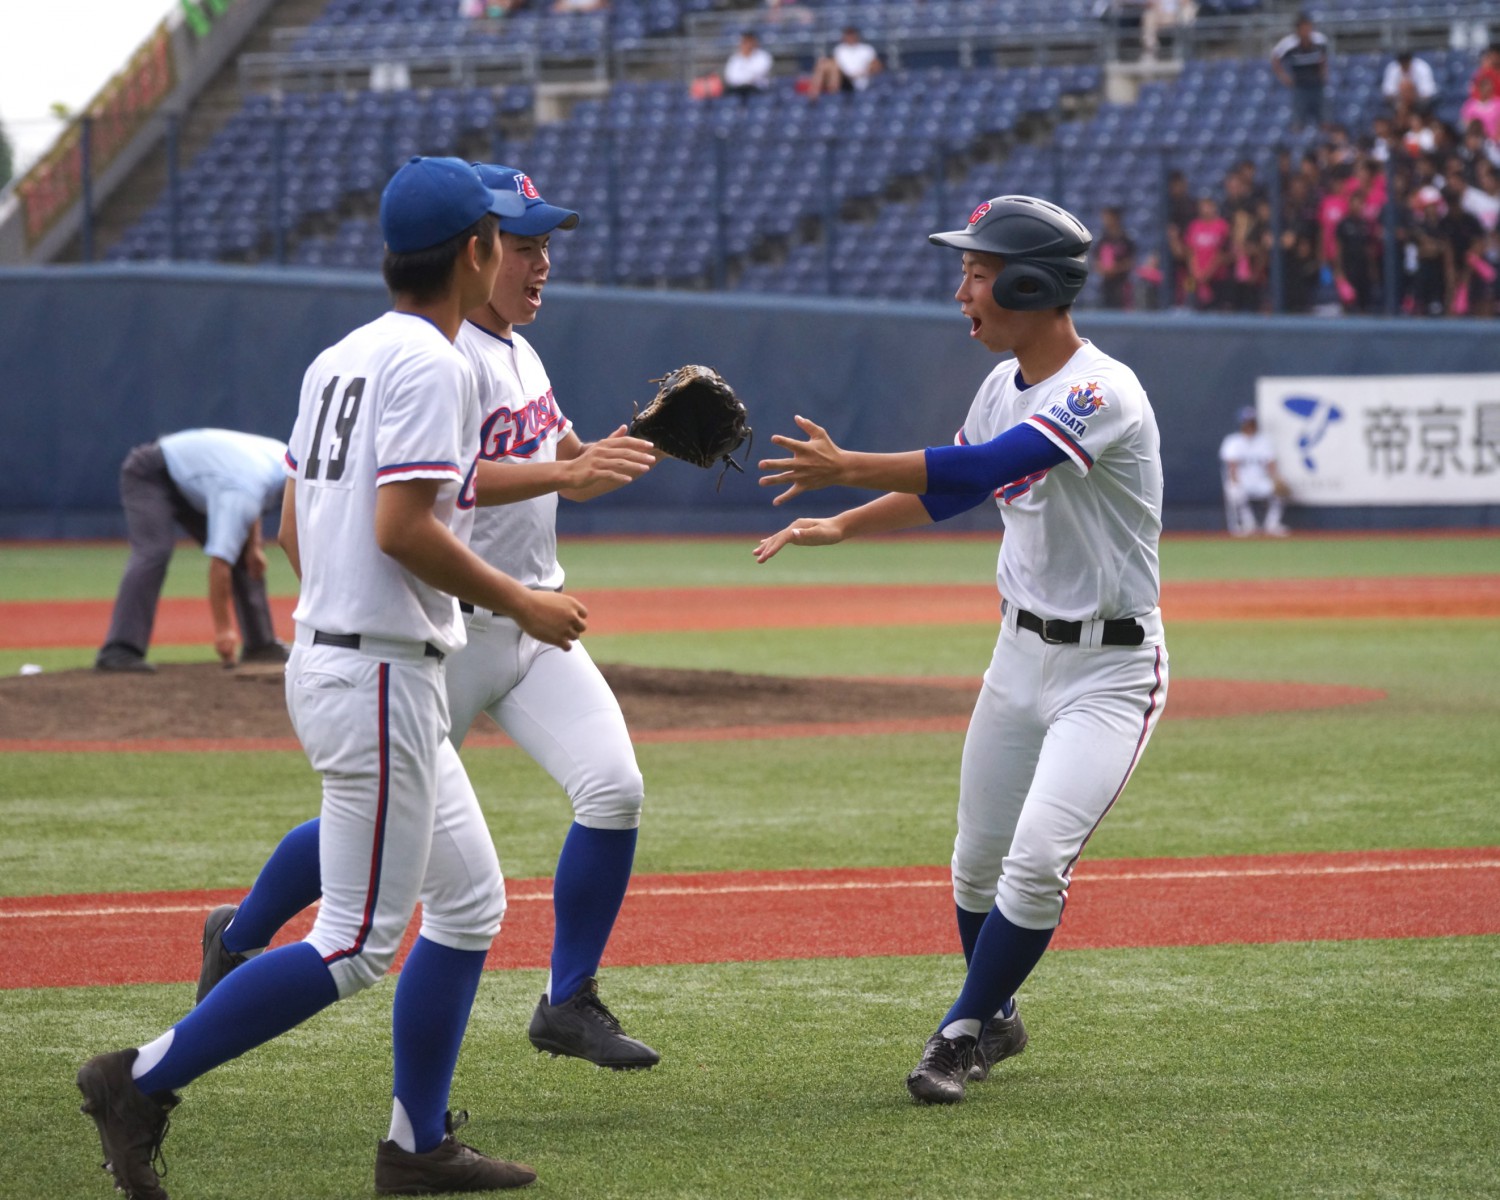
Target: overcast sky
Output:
{"points": [[63, 50]]}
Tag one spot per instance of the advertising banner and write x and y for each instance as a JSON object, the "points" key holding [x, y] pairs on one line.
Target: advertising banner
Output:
{"points": [[1385, 439]]}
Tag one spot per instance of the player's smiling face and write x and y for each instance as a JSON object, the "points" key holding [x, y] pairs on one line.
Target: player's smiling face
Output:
{"points": [[517, 295], [993, 327]]}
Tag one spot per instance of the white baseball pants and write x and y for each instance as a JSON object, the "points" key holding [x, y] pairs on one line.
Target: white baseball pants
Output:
{"points": [[558, 708], [1055, 735], [400, 821]]}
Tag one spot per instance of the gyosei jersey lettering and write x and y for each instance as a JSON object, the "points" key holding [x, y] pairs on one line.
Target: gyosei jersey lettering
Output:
{"points": [[1080, 538], [519, 423], [392, 401]]}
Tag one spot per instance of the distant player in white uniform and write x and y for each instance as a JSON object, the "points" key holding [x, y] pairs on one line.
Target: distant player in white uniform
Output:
{"points": [[1248, 462], [380, 492], [554, 705], [1064, 440]]}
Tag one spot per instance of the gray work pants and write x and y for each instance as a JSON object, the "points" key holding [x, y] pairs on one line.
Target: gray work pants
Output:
{"points": [[154, 507]]}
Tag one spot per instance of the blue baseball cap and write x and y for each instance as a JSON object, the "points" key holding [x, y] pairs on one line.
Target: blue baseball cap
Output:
{"points": [[430, 200], [540, 217], [1247, 414]]}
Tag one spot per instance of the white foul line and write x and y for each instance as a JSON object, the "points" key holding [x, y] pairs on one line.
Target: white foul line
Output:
{"points": [[853, 886]]}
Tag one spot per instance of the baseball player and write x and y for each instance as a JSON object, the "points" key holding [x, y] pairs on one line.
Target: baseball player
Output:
{"points": [[556, 706], [1064, 439], [1248, 462], [380, 491]]}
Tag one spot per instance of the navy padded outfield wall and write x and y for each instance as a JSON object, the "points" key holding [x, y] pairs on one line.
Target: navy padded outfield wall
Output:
{"points": [[96, 360]]}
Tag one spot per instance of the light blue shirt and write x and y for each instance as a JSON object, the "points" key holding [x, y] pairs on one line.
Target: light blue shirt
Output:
{"points": [[231, 478]]}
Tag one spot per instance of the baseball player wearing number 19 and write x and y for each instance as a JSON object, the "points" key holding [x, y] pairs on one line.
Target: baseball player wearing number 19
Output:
{"points": [[1063, 438], [380, 494]]}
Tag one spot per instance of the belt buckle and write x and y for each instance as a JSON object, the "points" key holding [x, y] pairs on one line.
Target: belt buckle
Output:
{"points": [[1047, 636]]}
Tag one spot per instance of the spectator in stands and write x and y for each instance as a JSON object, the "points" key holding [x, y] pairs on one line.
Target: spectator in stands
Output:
{"points": [[1181, 210], [1208, 252], [1355, 270], [1300, 61], [1157, 15], [1481, 197], [1466, 238], [747, 72], [1383, 139], [1114, 261], [1489, 67], [1429, 255], [1248, 462], [1250, 237], [1483, 106], [1300, 260], [1409, 83], [848, 67], [1476, 148], [1419, 137], [578, 6]]}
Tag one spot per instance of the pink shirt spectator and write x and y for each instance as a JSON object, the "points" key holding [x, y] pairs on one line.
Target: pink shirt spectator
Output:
{"points": [[1205, 239], [1486, 112]]}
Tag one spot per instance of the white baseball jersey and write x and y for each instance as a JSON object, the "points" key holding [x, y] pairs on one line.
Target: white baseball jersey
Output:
{"points": [[519, 423], [392, 401], [1081, 538], [1250, 455]]}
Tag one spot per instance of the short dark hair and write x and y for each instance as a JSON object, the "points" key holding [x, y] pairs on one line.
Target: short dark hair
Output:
{"points": [[425, 274]]}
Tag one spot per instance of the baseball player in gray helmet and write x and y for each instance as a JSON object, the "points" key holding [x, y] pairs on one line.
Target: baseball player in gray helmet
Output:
{"points": [[1063, 440]]}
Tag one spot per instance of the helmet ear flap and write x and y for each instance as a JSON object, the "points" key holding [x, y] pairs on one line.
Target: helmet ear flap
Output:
{"points": [[1027, 286]]}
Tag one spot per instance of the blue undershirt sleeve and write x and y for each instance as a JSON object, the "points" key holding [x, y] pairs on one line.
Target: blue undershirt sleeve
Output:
{"points": [[1020, 451], [940, 508]]}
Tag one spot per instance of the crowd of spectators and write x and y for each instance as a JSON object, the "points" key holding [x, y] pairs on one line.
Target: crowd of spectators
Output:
{"points": [[1432, 186]]}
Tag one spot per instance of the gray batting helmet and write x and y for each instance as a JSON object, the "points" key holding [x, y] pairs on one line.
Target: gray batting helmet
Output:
{"points": [[1045, 250]]}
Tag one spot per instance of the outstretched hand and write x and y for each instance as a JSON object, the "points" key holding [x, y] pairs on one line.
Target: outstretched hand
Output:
{"points": [[815, 463], [806, 531]]}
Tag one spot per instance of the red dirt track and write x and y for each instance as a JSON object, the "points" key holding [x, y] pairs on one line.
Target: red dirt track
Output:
{"points": [[765, 915], [183, 620]]}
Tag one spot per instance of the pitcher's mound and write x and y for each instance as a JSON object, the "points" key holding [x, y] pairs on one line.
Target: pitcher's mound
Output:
{"points": [[190, 701]]}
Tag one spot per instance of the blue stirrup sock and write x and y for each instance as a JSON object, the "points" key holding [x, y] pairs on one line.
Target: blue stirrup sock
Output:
{"points": [[254, 1003], [290, 881], [593, 872], [969, 925], [1003, 956], [433, 997]]}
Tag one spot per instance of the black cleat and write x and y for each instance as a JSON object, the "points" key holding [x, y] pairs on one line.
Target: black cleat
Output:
{"points": [[217, 961], [131, 1124], [123, 662], [1002, 1038], [582, 1027], [450, 1166], [939, 1077], [271, 652]]}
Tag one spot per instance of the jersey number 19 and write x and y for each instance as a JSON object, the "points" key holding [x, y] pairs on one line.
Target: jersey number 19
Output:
{"points": [[343, 425]]}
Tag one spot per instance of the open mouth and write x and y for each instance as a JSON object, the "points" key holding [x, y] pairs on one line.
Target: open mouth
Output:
{"points": [[974, 323], [534, 295]]}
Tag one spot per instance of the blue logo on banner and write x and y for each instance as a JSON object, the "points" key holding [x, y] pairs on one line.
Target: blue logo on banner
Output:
{"points": [[1316, 416]]}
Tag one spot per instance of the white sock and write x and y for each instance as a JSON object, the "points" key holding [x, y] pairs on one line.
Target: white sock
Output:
{"points": [[547, 991], [968, 1027], [151, 1053], [401, 1131]]}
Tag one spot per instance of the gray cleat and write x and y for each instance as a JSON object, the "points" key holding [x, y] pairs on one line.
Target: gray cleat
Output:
{"points": [[217, 961], [939, 1077], [131, 1124], [1001, 1038], [581, 1027]]}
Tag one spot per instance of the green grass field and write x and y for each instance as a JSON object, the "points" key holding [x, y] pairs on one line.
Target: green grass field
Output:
{"points": [[1338, 1069]]}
